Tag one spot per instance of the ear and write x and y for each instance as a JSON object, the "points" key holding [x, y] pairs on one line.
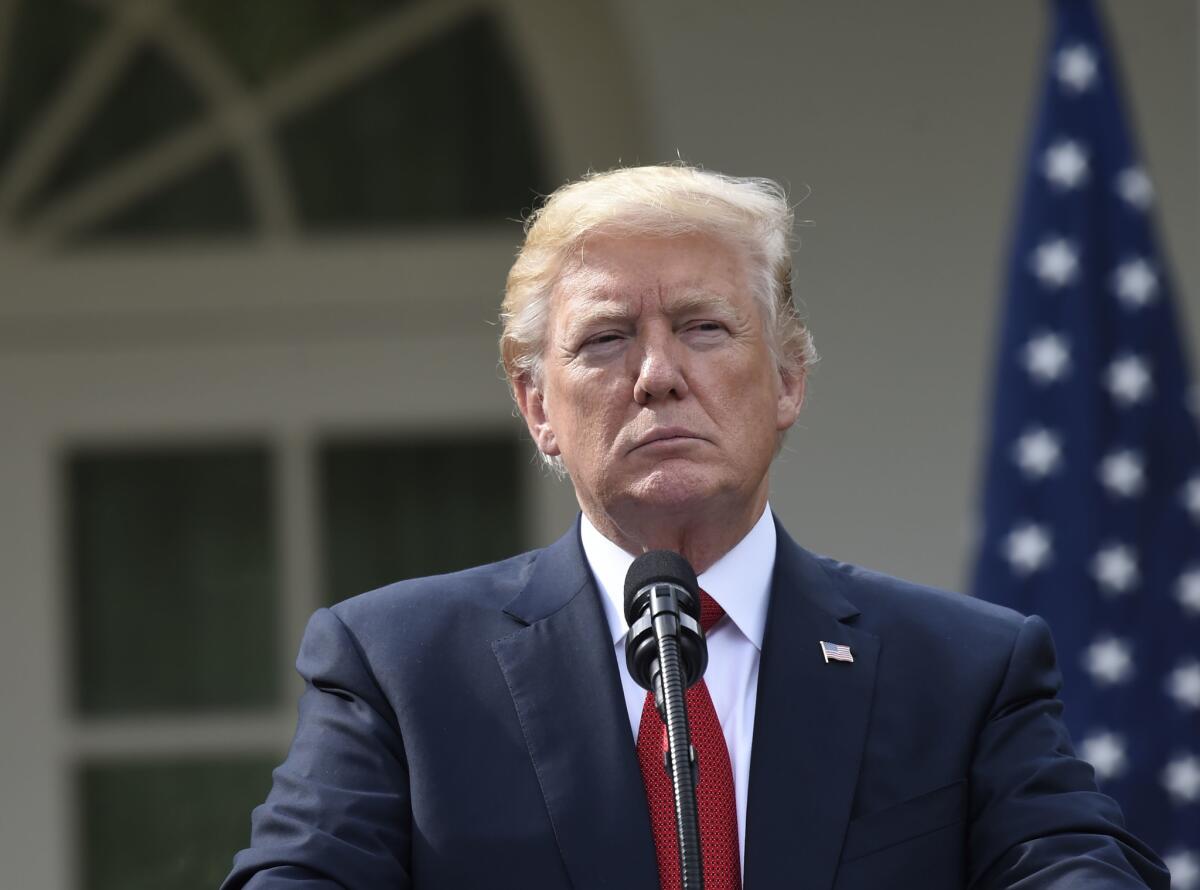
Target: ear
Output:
{"points": [[790, 398], [532, 405]]}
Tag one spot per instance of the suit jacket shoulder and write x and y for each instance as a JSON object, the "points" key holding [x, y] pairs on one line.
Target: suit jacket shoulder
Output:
{"points": [[933, 633], [916, 606], [437, 606]]}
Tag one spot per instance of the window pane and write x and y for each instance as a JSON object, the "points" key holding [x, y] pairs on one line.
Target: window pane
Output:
{"points": [[267, 39], [172, 579], [207, 200], [147, 102], [173, 824], [394, 509], [441, 134], [47, 39]]}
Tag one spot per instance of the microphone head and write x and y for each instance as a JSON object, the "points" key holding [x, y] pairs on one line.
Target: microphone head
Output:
{"points": [[648, 572], [660, 567]]}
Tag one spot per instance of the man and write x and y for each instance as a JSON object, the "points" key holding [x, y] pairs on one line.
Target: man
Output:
{"points": [[479, 729]]}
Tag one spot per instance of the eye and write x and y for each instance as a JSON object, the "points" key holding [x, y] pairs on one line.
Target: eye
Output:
{"points": [[705, 329], [602, 343], [608, 337]]}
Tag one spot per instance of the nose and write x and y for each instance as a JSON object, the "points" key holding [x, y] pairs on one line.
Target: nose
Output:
{"points": [[659, 372]]}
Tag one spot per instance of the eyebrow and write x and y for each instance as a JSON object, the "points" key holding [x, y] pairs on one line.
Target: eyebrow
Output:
{"points": [[601, 311], [700, 301], [607, 312]]}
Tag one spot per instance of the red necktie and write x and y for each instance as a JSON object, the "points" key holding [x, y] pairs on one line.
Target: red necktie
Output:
{"points": [[714, 790]]}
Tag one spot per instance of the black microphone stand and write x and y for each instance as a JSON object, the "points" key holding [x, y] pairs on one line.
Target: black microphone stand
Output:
{"points": [[680, 756], [666, 653]]}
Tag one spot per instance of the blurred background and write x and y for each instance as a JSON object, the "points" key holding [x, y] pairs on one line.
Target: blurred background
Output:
{"points": [[251, 255]]}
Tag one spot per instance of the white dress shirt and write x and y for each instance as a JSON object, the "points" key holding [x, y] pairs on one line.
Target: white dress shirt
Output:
{"points": [[740, 581]]}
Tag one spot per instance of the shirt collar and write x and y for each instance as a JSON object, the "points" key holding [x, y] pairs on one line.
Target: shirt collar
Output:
{"points": [[740, 581]]}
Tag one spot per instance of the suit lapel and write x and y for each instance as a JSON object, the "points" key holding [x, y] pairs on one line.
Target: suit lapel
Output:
{"points": [[809, 728], [563, 679]]}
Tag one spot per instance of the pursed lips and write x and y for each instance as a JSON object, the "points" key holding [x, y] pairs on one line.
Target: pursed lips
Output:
{"points": [[664, 434]]}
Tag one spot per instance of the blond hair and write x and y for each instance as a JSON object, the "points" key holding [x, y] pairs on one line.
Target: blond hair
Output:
{"points": [[666, 201]]}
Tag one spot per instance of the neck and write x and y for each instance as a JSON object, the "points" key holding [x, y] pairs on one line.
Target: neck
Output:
{"points": [[701, 536]]}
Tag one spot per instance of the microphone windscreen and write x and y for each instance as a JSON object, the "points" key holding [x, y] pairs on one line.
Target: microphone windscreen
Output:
{"points": [[658, 566]]}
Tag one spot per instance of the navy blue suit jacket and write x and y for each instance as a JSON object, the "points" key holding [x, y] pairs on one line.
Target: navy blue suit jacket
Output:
{"points": [[469, 731]]}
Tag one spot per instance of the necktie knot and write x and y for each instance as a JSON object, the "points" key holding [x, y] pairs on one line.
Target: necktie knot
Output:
{"points": [[710, 611]]}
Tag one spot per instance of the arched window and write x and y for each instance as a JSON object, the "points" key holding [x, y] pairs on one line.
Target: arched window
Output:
{"points": [[141, 119]]}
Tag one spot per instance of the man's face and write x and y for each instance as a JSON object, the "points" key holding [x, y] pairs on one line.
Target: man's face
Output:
{"points": [[658, 388]]}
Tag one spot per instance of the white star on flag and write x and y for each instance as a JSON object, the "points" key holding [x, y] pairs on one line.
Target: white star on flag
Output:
{"points": [[1128, 380], [1183, 685], [1181, 778], [1191, 496], [1105, 751], [1184, 866], [1046, 357], [1027, 548], [1109, 661], [1123, 473], [1135, 283], [1135, 188], [1055, 262], [1075, 67], [1187, 591], [1038, 453], [1065, 164], [1115, 569]]}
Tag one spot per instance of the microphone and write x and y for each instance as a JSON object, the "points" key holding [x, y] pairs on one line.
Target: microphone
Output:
{"points": [[666, 653], [662, 598]]}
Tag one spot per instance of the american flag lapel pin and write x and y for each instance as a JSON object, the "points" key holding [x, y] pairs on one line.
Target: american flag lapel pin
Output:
{"points": [[836, 652]]}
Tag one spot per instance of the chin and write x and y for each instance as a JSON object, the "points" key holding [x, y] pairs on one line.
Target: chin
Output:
{"points": [[674, 489]]}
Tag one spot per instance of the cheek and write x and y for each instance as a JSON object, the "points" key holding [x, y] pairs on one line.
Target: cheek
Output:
{"points": [[587, 412], [757, 411], [749, 383]]}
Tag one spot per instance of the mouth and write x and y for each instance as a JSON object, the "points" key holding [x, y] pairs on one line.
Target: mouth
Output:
{"points": [[666, 436]]}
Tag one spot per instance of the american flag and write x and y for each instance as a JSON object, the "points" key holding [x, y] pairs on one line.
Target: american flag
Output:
{"points": [[1091, 505], [836, 652]]}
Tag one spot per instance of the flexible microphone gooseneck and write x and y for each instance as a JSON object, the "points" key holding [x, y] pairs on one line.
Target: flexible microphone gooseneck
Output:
{"points": [[666, 653]]}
